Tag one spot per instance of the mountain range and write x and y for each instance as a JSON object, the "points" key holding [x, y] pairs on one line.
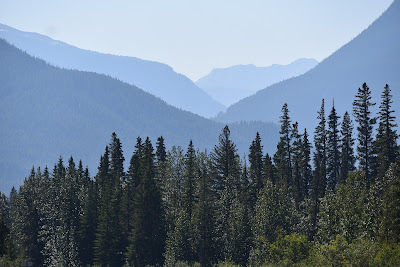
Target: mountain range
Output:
{"points": [[229, 85], [46, 111], [153, 77], [372, 57]]}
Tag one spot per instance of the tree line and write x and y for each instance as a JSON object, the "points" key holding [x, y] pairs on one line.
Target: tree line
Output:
{"points": [[306, 204]]}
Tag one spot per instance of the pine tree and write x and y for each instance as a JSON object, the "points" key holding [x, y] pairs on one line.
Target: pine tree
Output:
{"points": [[204, 216], [225, 161], [332, 149], [160, 150], [318, 183], [188, 198], [269, 173], [386, 146], [305, 167], [282, 157], [147, 238], [256, 169], [362, 114], [297, 188], [347, 159]]}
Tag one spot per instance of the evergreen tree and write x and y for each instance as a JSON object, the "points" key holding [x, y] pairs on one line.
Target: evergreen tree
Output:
{"points": [[147, 238], [107, 242], [188, 198], [386, 139], [347, 160], [282, 157], [269, 173], [204, 216], [362, 114], [297, 188], [225, 161], [160, 150], [305, 167], [318, 183], [332, 149], [256, 169], [88, 222]]}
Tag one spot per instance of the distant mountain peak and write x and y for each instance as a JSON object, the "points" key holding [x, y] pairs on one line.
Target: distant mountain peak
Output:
{"points": [[229, 85]]}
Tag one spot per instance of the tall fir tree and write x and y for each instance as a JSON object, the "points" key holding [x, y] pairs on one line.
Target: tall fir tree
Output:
{"points": [[332, 149], [386, 146], [305, 167], [204, 216], [188, 197], [255, 169], [225, 161], [347, 159], [282, 157], [269, 173], [362, 114], [147, 238], [318, 183], [297, 187]]}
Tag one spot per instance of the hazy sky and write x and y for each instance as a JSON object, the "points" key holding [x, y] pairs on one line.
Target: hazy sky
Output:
{"points": [[194, 37]]}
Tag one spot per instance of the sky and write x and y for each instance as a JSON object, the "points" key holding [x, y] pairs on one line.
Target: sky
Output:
{"points": [[195, 37]]}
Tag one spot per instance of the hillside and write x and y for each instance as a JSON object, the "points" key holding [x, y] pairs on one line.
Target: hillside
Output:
{"points": [[372, 57], [153, 77], [46, 112], [229, 85]]}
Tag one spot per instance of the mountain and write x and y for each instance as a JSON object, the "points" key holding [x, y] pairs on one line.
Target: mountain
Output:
{"points": [[46, 111], [372, 57], [229, 85], [153, 77]]}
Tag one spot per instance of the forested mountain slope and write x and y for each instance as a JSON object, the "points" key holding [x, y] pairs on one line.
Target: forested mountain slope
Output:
{"points": [[372, 57], [46, 112], [153, 77]]}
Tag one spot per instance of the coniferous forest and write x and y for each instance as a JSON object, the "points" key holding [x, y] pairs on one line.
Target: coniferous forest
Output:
{"points": [[330, 201]]}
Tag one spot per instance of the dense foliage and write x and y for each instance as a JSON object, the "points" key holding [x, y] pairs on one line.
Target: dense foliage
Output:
{"points": [[188, 208]]}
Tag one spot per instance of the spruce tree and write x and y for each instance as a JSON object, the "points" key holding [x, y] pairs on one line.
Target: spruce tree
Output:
{"points": [[147, 238], [386, 146], [256, 169], [318, 183], [188, 197], [362, 114], [225, 162], [347, 159], [204, 216], [297, 187], [282, 157], [332, 149], [305, 167], [269, 173]]}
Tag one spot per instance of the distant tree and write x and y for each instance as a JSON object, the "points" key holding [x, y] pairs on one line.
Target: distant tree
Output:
{"points": [[347, 159], [256, 168], [362, 114], [386, 146], [282, 157], [332, 149]]}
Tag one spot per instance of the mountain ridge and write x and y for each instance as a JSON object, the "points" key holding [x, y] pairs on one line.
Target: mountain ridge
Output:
{"points": [[231, 84], [156, 78]]}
